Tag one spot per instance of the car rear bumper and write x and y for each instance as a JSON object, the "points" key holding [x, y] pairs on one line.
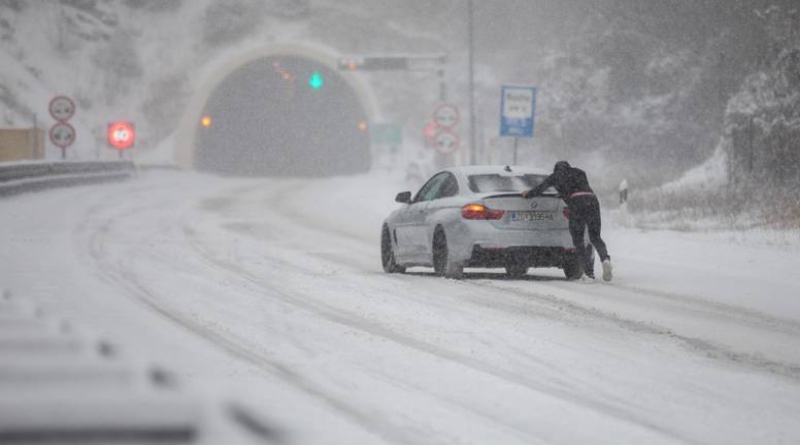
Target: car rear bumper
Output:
{"points": [[530, 256], [480, 244]]}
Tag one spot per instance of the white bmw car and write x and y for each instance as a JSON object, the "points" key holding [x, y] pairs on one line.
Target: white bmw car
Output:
{"points": [[475, 217]]}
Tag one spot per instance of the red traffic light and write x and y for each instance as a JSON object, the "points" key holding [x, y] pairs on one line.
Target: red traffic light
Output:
{"points": [[121, 135]]}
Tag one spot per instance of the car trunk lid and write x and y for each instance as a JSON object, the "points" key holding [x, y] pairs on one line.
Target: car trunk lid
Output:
{"points": [[541, 212]]}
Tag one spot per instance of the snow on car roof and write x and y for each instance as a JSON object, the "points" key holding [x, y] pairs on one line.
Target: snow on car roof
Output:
{"points": [[498, 169]]}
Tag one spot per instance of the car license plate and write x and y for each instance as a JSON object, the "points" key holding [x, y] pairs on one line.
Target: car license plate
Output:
{"points": [[532, 216]]}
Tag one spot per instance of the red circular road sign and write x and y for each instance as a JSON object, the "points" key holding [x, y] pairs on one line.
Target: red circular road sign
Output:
{"points": [[61, 108], [62, 134], [446, 116], [121, 135], [446, 141]]}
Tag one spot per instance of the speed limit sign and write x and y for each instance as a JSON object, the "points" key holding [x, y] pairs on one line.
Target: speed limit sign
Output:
{"points": [[121, 135]]}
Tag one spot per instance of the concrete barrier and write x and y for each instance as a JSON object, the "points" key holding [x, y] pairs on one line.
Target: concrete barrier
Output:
{"points": [[17, 144]]}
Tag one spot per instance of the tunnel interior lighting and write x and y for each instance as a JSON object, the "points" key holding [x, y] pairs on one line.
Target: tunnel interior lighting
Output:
{"points": [[265, 125]]}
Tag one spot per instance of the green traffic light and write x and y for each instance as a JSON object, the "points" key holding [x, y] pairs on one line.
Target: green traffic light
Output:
{"points": [[315, 81]]}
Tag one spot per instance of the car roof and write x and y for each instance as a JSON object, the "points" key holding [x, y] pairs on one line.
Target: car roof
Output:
{"points": [[468, 170]]}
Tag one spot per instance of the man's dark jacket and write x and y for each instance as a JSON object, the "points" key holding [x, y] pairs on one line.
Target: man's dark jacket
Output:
{"points": [[566, 179]]}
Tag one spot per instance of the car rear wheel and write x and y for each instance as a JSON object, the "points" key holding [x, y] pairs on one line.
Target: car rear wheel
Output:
{"points": [[515, 270], [443, 264], [572, 266], [387, 254]]}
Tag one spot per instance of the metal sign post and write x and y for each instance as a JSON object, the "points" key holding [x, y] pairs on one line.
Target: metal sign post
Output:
{"points": [[423, 63], [517, 113]]}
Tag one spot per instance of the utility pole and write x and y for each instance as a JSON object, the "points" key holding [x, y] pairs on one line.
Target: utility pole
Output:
{"points": [[750, 153], [473, 155], [721, 91]]}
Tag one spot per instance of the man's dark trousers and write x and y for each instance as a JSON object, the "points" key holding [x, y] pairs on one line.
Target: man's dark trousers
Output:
{"points": [[585, 212]]}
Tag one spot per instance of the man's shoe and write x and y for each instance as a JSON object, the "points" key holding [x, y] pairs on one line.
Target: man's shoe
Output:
{"points": [[607, 270], [590, 275]]}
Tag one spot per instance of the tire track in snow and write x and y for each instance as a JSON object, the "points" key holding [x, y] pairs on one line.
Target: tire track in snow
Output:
{"points": [[91, 235], [330, 314], [561, 305], [351, 320], [121, 275], [697, 345], [748, 316]]}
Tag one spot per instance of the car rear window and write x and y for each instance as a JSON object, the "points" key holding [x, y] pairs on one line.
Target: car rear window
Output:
{"points": [[490, 183]]}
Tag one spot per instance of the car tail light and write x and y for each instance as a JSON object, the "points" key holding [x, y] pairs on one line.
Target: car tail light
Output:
{"points": [[566, 212], [480, 211]]}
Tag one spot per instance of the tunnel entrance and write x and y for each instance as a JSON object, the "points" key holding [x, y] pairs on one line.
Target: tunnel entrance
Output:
{"points": [[283, 116]]}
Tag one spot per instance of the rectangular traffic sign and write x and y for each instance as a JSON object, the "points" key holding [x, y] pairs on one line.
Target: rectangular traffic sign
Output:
{"points": [[387, 134], [370, 63], [517, 111]]}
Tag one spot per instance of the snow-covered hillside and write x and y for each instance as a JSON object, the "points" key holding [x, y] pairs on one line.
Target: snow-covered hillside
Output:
{"points": [[116, 60], [623, 91]]}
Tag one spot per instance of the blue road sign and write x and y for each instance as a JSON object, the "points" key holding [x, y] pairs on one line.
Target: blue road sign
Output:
{"points": [[517, 111]]}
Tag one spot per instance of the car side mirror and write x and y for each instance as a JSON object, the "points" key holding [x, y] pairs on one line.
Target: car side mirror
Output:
{"points": [[403, 197]]}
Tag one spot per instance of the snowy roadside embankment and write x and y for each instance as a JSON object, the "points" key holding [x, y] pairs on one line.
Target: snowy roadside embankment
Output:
{"points": [[703, 199]]}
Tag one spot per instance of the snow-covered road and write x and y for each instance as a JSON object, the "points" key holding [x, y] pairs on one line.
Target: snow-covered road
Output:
{"points": [[270, 292]]}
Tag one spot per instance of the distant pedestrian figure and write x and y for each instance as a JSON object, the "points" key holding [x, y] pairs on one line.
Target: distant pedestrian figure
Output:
{"points": [[572, 185]]}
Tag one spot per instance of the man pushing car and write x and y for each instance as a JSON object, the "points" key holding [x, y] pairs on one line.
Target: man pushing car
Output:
{"points": [[584, 208]]}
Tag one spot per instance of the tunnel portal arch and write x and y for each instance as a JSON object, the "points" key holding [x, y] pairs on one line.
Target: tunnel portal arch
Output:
{"points": [[265, 118]]}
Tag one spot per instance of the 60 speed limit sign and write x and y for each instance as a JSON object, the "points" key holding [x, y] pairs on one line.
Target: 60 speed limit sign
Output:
{"points": [[121, 135]]}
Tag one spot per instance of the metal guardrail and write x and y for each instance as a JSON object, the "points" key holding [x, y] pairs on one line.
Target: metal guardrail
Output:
{"points": [[62, 385], [35, 176], [59, 385]]}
